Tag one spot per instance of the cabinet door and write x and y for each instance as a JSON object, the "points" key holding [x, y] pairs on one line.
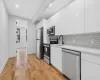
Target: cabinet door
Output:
{"points": [[90, 71], [56, 58], [53, 55], [78, 10], [45, 27], [92, 16], [65, 21], [75, 17]]}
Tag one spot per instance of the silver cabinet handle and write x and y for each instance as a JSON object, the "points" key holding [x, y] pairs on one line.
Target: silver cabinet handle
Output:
{"points": [[71, 52]]}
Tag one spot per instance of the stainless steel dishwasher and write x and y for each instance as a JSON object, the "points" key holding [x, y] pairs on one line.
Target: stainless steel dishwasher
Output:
{"points": [[71, 64]]}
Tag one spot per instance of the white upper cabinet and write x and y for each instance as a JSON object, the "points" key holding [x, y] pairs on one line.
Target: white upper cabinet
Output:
{"points": [[92, 16], [45, 35], [70, 20], [78, 10], [80, 16]]}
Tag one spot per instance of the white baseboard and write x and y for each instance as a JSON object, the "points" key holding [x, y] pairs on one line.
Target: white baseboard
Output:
{"points": [[31, 53]]}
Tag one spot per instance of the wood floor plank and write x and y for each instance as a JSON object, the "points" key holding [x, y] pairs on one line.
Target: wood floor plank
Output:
{"points": [[35, 70]]}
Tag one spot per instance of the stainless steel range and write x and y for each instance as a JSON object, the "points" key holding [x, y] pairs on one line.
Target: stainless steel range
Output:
{"points": [[47, 49], [47, 53]]}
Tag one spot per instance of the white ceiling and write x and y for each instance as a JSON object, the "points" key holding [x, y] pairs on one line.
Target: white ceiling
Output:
{"points": [[35, 9], [54, 8], [26, 8]]}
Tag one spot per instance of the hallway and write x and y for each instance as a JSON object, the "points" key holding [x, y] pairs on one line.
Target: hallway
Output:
{"points": [[34, 70]]}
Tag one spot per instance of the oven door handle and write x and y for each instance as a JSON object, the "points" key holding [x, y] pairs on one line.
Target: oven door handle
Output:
{"points": [[46, 49]]}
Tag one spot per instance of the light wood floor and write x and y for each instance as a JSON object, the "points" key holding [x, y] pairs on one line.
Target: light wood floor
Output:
{"points": [[34, 70]]}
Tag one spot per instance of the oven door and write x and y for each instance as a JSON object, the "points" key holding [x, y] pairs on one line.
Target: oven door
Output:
{"points": [[47, 50]]}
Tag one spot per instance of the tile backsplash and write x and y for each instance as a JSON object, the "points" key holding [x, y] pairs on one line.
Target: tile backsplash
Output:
{"points": [[91, 40]]}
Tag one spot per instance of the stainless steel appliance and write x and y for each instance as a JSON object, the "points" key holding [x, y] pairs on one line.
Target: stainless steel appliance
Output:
{"points": [[48, 31], [39, 43], [47, 49], [51, 31], [47, 53], [71, 64], [53, 40]]}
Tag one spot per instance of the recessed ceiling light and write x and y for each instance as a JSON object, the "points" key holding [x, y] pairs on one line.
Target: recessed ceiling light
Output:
{"points": [[17, 6], [50, 5]]}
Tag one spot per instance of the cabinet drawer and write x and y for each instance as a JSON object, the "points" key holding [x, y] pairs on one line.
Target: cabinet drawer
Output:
{"points": [[91, 58], [89, 71]]}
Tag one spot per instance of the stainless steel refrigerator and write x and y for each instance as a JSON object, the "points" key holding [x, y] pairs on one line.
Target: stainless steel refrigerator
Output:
{"points": [[39, 43]]}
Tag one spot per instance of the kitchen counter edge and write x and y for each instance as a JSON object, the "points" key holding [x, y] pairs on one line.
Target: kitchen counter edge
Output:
{"points": [[86, 50]]}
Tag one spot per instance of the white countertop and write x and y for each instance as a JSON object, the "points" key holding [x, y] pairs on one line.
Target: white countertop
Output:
{"points": [[81, 49]]}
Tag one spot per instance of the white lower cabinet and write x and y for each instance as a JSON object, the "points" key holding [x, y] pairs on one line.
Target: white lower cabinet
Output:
{"points": [[56, 57], [90, 70]]}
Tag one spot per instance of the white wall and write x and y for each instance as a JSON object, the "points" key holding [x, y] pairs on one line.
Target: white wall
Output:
{"points": [[31, 36], [12, 36], [3, 36]]}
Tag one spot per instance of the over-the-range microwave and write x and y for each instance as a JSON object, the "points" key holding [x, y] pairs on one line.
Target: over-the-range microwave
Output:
{"points": [[51, 31]]}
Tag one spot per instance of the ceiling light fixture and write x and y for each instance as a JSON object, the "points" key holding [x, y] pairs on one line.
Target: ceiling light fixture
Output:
{"points": [[17, 6], [50, 5]]}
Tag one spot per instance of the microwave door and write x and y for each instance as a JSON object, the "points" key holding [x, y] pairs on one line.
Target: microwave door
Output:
{"points": [[52, 30], [49, 32]]}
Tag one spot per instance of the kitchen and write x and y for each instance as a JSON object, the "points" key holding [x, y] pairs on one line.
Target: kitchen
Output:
{"points": [[68, 38], [77, 52]]}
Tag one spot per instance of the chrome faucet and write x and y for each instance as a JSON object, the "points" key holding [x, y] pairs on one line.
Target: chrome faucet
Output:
{"points": [[62, 38]]}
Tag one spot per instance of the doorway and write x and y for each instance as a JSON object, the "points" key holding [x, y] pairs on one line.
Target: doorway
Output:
{"points": [[21, 34]]}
